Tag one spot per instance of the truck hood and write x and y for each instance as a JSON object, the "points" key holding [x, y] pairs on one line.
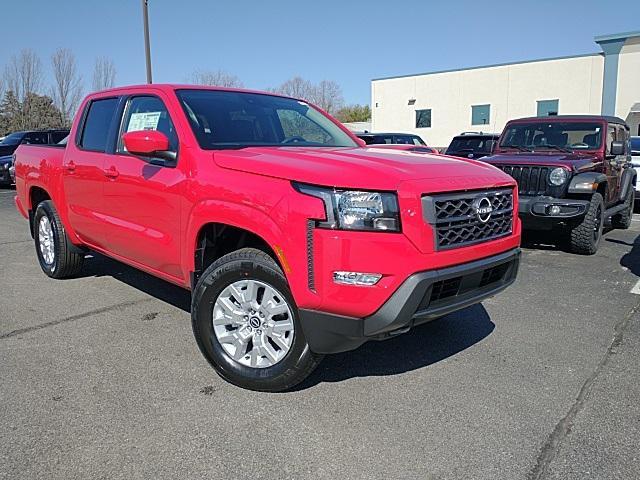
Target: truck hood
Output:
{"points": [[370, 168], [573, 161]]}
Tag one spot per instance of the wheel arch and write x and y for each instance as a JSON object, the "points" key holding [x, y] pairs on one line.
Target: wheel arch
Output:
{"points": [[217, 228]]}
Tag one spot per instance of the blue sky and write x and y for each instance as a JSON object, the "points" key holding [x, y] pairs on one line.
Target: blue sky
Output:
{"points": [[349, 41]]}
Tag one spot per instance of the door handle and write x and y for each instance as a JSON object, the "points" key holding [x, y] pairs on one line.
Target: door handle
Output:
{"points": [[71, 166], [111, 172]]}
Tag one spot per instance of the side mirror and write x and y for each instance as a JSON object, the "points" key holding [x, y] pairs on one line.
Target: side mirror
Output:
{"points": [[149, 143], [617, 148]]}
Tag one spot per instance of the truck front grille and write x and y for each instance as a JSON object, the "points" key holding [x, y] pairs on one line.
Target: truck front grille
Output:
{"points": [[532, 179], [461, 219]]}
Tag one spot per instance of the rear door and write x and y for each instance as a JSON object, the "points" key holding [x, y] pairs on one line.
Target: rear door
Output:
{"points": [[143, 200], [83, 173]]}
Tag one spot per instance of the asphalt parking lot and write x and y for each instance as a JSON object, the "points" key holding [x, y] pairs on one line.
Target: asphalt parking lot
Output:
{"points": [[101, 378]]}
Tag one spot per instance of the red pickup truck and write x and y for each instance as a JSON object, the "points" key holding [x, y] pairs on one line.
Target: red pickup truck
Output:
{"points": [[295, 239]]}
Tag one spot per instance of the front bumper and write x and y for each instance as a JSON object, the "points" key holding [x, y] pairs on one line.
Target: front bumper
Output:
{"points": [[536, 212], [422, 297]]}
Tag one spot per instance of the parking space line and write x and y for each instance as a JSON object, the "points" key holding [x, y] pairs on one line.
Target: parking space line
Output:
{"points": [[636, 288]]}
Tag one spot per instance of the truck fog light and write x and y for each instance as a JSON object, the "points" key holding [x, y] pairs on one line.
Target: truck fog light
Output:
{"points": [[356, 278], [554, 210]]}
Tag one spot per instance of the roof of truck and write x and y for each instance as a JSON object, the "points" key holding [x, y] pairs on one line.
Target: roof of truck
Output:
{"points": [[169, 87], [552, 118]]}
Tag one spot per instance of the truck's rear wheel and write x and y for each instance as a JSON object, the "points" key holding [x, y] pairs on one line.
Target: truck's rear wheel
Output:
{"points": [[246, 323], [58, 258], [585, 238], [622, 220]]}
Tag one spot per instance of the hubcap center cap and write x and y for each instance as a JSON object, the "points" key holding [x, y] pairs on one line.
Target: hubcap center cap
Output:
{"points": [[254, 322]]}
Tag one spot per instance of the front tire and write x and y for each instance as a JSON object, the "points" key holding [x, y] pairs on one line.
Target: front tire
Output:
{"points": [[57, 256], [247, 324], [585, 238]]}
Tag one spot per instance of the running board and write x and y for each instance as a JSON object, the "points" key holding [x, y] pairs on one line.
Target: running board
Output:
{"points": [[613, 210]]}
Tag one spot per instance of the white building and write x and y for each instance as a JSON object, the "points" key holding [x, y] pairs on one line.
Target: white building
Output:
{"points": [[439, 105]]}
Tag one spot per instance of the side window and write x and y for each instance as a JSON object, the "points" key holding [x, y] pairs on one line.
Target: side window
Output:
{"points": [[622, 137], [97, 124], [611, 137], [36, 138], [149, 113], [57, 137]]}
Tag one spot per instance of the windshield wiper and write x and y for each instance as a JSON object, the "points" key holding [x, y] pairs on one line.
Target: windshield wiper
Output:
{"points": [[519, 147], [557, 147]]}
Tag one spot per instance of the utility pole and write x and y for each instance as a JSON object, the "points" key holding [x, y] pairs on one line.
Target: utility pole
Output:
{"points": [[147, 47]]}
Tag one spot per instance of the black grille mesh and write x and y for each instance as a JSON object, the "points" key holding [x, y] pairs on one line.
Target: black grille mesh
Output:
{"points": [[532, 180], [457, 223]]}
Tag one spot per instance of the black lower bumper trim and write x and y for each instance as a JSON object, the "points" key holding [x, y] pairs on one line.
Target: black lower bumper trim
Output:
{"points": [[424, 296]]}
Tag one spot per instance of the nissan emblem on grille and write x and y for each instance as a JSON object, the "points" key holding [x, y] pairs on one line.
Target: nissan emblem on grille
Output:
{"points": [[482, 208]]}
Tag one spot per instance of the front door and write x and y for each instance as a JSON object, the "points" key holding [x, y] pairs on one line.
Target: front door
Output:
{"points": [[142, 202]]}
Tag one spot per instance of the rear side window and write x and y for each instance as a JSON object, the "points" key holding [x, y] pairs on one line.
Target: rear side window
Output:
{"points": [[97, 124], [57, 137]]}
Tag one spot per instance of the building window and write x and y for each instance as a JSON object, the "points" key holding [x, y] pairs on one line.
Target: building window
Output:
{"points": [[547, 108], [480, 114], [423, 118]]}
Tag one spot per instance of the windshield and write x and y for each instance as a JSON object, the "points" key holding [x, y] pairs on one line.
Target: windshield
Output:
{"points": [[635, 145], [225, 119], [471, 144], [12, 139], [553, 135]]}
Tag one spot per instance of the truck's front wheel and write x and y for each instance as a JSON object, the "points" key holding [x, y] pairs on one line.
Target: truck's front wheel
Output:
{"points": [[585, 238], [58, 258], [246, 323]]}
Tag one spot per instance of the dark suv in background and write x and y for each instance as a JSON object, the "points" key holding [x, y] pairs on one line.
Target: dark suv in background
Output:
{"points": [[574, 172], [472, 144], [11, 142]]}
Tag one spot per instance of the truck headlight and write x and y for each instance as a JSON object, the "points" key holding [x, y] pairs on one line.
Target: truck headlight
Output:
{"points": [[356, 209], [558, 176]]}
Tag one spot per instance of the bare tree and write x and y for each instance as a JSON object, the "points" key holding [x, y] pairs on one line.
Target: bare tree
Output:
{"points": [[104, 74], [218, 78], [328, 96], [296, 87], [67, 89], [23, 76]]}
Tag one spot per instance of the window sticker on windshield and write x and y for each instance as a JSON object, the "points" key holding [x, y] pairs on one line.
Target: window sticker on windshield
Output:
{"points": [[143, 121]]}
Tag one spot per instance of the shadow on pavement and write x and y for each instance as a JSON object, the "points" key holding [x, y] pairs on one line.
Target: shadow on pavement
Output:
{"points": [[630, 260], [420, 347], [97, 265]]}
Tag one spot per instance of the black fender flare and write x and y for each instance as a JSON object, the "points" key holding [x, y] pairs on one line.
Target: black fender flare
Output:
{"points": [[627, 181], [583, 182]]}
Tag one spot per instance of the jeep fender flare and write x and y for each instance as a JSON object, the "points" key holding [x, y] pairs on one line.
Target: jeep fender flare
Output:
{"points": [[583, 182], [627, 181]]}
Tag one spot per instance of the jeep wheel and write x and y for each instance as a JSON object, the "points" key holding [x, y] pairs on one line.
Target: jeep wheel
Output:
{"points": [[246, 323], [622, 220], [585, 238], [57, 256]]}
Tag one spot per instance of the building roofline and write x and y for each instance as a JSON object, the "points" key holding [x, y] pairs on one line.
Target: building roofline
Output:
{"points": [[616, 36], [489, 66]]}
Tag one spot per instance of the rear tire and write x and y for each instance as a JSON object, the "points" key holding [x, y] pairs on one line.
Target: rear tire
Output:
{"points": [[57, 256], [236, 329], [585, 238], [622, 220]]}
